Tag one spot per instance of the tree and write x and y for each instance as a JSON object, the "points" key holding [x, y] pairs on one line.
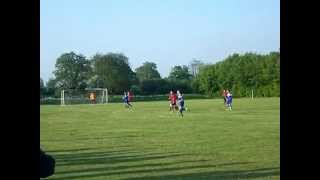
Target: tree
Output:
{"points": [[241, 74], [180, 73], [72, 71], [42, 88], [208, 80], [195, 86], [148, 71], [113, 72], [52, 89], [135, 89], [155, 86]]}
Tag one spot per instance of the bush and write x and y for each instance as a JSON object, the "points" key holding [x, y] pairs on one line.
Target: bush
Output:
{"points": [[135, 89]]}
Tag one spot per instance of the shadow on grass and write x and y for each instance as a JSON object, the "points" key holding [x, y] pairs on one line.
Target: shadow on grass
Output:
{"points": [[233, 174], [255, 173], [123, 167], [145, 165], [169, 162], [91, 154], [68, 150], [64, 151], [111, 157]]}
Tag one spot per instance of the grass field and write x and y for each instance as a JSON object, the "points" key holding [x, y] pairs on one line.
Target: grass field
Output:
{"points": [[148, 142]]}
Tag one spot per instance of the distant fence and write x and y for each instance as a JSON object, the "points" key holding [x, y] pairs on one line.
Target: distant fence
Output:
{"points": [[116, 99]]}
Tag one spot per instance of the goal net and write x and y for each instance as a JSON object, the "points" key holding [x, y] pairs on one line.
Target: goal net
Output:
{"points": [[87, 96]]}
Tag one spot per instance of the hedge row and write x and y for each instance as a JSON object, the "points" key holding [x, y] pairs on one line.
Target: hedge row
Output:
{"points": [[117, 99]]}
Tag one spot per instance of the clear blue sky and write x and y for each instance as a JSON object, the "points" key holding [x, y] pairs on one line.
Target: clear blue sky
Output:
{"points": [[167, 32]]}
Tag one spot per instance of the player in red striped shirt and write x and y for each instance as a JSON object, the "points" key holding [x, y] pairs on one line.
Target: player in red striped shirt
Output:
{"points": [[173, 101], [130, 96]]}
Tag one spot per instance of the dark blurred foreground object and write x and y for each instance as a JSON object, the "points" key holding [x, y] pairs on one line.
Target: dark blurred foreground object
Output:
{"points": [[47, 165]]}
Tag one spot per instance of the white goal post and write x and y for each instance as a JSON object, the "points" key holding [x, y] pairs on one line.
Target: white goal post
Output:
{"points": [[70, 97], [62, 98], [252, 94]]}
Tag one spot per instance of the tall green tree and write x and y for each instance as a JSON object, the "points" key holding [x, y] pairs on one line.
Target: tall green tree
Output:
{"points": [[208, 80], [72, 71], [241, 74], [148, 71], [52, 88], [42, 88], [180, 73], [113, 71], [180, 78]]}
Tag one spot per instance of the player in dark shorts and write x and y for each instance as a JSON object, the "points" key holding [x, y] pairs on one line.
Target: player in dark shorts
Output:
{"points": [[224, 94], [180, 103], [229, 101], [126, 101]]}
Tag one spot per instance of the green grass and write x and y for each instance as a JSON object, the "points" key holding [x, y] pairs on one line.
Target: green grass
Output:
{"points": [[149, 142]]}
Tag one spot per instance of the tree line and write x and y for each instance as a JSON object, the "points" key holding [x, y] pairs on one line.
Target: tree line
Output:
{"points": [[242, 74], [238, 73]]}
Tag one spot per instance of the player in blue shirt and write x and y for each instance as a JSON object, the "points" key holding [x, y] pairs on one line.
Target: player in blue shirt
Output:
{"points": [[126, 100], [180, 103], [229, 100]]}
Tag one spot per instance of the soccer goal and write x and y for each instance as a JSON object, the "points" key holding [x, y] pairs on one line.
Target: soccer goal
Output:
{"points": [[87, 96]]}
